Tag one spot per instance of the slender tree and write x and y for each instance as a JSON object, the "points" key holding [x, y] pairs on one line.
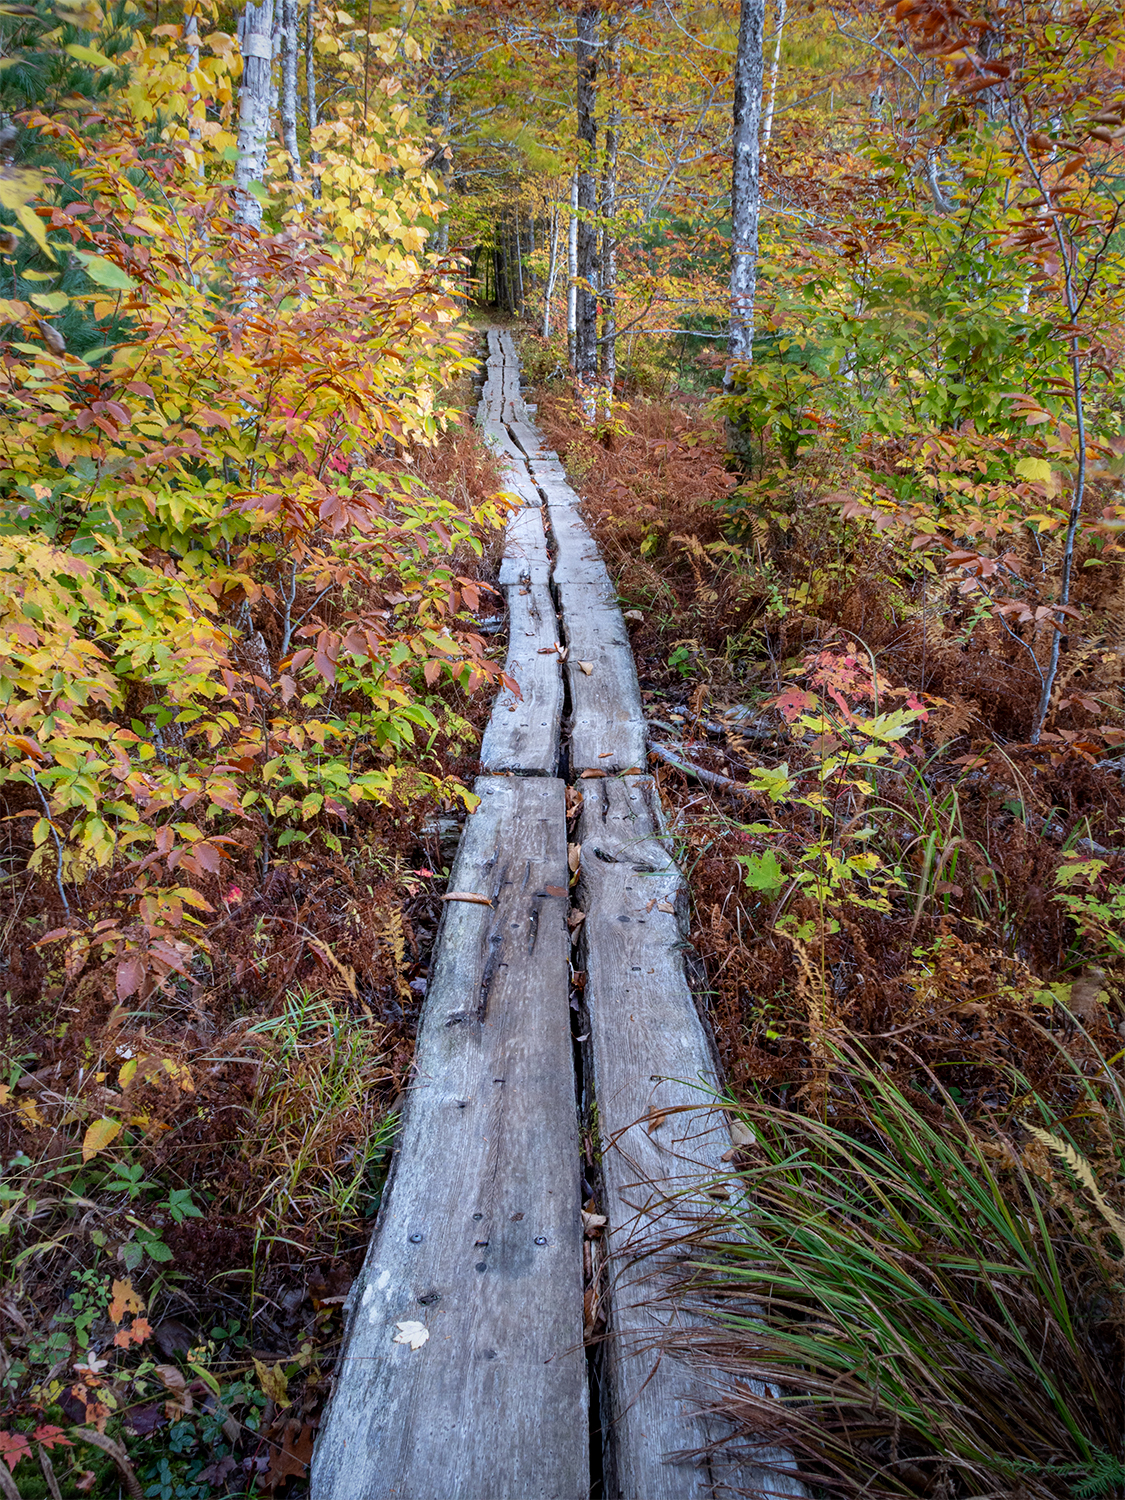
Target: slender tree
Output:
{"points": [[771, 101], [572, 274], [586, 330], [745, 186], [290, 50], [312, 116], [607, 347]]}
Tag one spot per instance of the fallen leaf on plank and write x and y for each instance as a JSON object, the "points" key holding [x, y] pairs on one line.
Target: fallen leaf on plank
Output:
{"points": [[573, 855], [574, 919], [742, 1135], [593, 1224], [656, 1117], [414, 1334], [473, 897], [587, 667], [665, 906], [555, 890], [589, 775]]}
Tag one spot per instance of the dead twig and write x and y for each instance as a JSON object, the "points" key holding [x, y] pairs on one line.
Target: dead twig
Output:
{"points": [[709, 778], [117, 1453]]}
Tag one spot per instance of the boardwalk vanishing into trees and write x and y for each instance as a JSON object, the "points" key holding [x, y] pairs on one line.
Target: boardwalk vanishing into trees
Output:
{"points": [[464, 1370]]}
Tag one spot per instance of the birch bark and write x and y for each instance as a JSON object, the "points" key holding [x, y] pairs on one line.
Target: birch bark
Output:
{"points": [[255, 37], [745, 187], [552, 266], [572, 274], [290, 48], [312, 117], [586, 330], [771, 105]]}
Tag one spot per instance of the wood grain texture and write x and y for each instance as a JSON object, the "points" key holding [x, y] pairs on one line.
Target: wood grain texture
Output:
{"points": [[522, 736], [479, 1234], [606, 726], [498, 438], [662, 1141], [525, 559]]}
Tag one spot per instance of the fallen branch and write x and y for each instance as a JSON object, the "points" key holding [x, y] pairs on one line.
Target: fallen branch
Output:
{"points": [[708, 778], [117, 1453]]}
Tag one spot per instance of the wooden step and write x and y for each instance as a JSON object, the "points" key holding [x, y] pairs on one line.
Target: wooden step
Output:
{"points": [[479, 1236]]}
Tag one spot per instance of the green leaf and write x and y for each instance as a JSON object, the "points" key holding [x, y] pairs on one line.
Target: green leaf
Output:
{"points": [[105, 272], [52, 302], [763, 871]]}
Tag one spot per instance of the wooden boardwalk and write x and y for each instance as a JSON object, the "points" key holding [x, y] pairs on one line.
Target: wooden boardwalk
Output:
{"points": [[463, 1372]]}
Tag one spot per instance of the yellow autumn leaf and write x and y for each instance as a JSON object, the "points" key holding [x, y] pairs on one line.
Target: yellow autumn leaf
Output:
{"points": [[31, 1114], [102, 1133], [180, 1073], [274, 1384], [127, 1073]]}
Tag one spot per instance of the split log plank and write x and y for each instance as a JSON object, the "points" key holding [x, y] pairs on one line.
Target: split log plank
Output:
{"points": [[577, 559], [607, 724], [479, 1234], [662, 1143], [525, 559], [522, 736]]}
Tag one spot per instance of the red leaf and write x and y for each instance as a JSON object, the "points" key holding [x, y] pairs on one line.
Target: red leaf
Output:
{"points": [[130, 975], [13, 1447]]}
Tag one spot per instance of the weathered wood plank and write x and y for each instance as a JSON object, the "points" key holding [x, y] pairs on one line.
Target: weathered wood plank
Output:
{"points": [[662, 1142], [607, 725], [525, 549], [497, 437], [529, 438], [522, 736], [577, 559], [517, 481], [479, 1235]]}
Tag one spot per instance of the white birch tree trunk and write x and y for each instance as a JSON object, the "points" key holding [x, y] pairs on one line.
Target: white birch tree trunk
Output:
{"points": [[552, 265], [255, 38], [191, 43], [572, 272], [290, 49], [312, 115], [771, 105], [745, 188]]}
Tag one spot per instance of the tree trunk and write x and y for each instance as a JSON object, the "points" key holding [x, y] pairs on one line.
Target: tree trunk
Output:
{"points": [[312, 116], [446, 166], [572, 274], [586, 331], [552, 268], [191, 43], [290, 48], [255, 38], [608, 280], [771, 105], [745, 188], [518, 268]]}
